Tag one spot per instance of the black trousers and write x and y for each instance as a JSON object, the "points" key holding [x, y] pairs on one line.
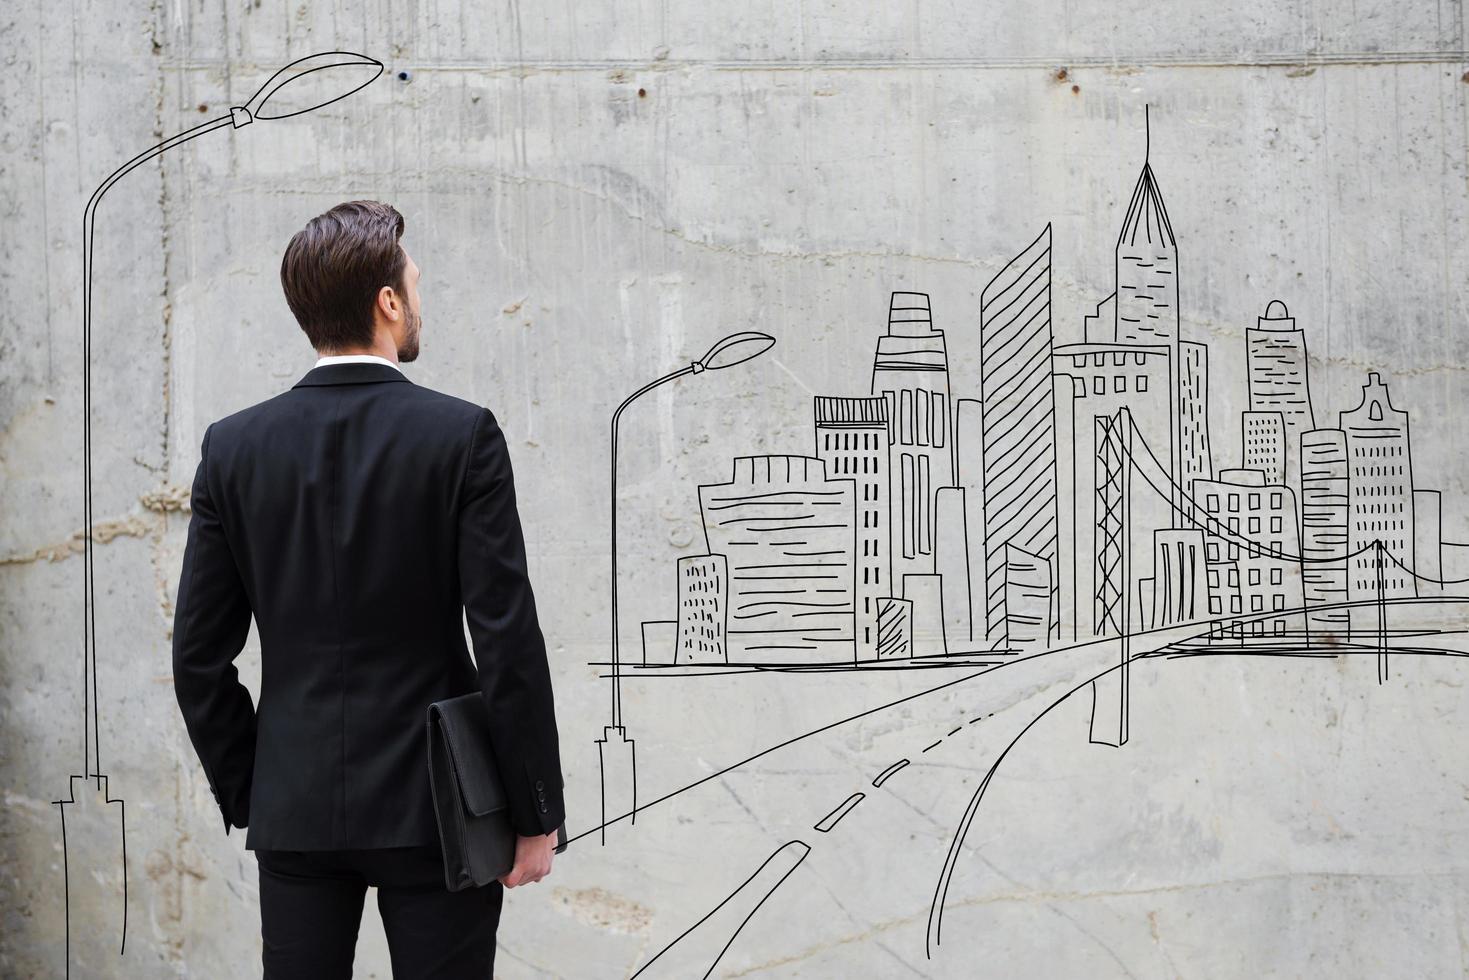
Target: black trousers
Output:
{"points": [[311, 907]]}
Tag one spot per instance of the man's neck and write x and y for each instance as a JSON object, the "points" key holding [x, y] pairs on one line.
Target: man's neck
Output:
{"points": [[389, 354]]}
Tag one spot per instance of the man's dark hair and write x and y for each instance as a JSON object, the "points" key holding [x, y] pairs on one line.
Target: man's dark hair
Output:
{"points": [[334, 267]]}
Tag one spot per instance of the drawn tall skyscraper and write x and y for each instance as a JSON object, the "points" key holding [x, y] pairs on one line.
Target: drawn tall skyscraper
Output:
{"points": [[1019, 443], [911, 371], [1325, 513], [1147, 268], [1380, 485], [1276, 353], [1195, 459], [852, 440]]}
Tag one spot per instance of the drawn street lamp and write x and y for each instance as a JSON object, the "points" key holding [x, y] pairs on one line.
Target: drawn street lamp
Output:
{"points": [[734, 349], [304, 85]]}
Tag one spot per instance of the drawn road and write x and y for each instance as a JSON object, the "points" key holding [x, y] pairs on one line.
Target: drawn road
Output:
{"points": [[883, 803]]}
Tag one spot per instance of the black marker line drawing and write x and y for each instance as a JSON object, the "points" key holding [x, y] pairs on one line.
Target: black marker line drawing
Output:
{"points": [[753, 891], [1070, 520], [309, 83], [826, 823], [615, 748]]}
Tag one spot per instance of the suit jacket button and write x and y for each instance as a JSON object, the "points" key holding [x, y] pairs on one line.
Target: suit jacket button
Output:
{"points": [[543, 808], [540, 785]]}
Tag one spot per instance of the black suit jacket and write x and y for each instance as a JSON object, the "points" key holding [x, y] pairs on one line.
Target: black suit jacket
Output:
{"points": [[360, 518]]}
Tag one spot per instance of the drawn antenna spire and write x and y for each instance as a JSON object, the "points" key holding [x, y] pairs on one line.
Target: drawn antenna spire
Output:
{"points": [[1147, 218]]}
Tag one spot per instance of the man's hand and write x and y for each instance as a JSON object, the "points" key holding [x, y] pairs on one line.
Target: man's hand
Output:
{"points": [[532, 860]]}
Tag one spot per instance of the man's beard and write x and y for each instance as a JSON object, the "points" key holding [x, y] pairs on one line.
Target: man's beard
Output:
{"points": [[409, 349]]}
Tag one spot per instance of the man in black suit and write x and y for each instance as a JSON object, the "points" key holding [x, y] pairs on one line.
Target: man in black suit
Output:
{"points": [[354, 516]]}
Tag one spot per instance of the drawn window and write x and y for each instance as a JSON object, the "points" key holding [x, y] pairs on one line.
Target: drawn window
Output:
{"points": [[1142, 382], [1099, 360], [1214, 605], [1254, 501], [1078, 387], [1257, 603], [1254, 576], [1279, 602], [1137, 357], [1234, 604], [906, 414], [1275, 576], [1213, 552], [1234, 525], [1213, 504], [1078, 360], [1099, 385], [1275, 500], [908, 505], [1276, 524], [1213, 578], [1254, 524], [940, 418], [1119, 358], [925, 500], [1233, 551], [1119, 383], [923, 420], [1234, 503]]}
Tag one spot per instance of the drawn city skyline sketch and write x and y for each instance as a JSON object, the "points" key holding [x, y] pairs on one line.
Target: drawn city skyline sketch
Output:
{"points": [[1075, 509]]}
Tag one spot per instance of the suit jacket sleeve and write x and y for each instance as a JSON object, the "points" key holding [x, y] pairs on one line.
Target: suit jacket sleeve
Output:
{"points": [[509, 651], [211, 622]]}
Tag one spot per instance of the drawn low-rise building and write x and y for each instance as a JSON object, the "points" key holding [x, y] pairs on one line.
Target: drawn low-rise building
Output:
{"points": [[1251, 524], [789, 534], [1180, 577], [894, 629], [1428, 541], [703, 584]]}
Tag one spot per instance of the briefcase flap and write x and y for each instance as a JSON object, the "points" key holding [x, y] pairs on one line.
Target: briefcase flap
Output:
{"points": [[464, 726]]}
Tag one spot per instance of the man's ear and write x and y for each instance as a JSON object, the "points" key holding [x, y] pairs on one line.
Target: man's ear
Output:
{"points": [[389, 303]]}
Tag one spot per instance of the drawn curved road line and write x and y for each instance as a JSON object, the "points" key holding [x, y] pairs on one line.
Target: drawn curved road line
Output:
{"points": [[752, 892]]}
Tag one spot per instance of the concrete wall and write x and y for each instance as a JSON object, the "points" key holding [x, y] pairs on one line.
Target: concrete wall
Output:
{"points": [[597, 191]]}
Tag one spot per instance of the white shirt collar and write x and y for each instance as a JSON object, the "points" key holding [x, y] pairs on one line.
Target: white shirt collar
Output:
{"points": [[357, 359]]}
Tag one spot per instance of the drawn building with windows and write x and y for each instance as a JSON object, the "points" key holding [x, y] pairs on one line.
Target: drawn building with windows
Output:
{"points": [[1380, 490], [1264, 437], [1018, 448], [1195, 461], [1252, 550], [1325, 511], [789, 535], [1275, 352], [703, 582], [852, 440], [911, 371]]}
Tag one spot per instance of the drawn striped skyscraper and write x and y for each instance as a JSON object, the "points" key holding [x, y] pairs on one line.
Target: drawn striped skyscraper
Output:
{"points": [[1019, 443], [911, 371]]}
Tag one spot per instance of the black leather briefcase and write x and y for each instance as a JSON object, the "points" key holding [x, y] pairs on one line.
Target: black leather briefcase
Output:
{"points": [[469, 798]]}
